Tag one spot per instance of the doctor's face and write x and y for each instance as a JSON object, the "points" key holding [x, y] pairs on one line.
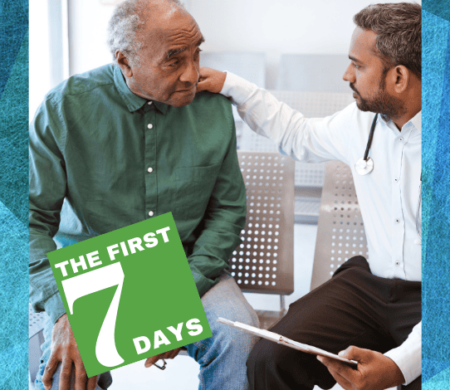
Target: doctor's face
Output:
{"points": [[367, 76]]}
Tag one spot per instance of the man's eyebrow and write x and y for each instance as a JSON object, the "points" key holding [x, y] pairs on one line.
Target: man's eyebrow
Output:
{"points": [[173, 52], [200, 41], [354, 59]]}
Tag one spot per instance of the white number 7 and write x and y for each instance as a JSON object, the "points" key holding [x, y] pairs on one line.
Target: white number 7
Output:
{"points": [[92, 282]]}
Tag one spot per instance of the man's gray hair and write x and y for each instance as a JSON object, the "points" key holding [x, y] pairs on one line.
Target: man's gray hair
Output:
{"points": [[398, 29], [124, 24]]}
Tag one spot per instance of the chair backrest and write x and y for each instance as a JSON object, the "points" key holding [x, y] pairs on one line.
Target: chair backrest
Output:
{"points": [[311, 105], [313, 72], [35, 321], [340, 233], [250, 66], [264, 262]]}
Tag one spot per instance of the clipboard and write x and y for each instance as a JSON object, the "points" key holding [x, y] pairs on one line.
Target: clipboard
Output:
{"points": [[276, 338]]}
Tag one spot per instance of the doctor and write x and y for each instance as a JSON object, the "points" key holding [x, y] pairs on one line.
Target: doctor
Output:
{"points": [[370, 310]]}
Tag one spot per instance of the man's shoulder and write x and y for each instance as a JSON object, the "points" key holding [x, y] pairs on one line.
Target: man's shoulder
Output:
{"points": [[82, 83], [206, 100]]}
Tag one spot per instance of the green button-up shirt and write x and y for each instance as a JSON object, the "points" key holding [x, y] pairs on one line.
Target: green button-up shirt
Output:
{"points": [[102, 158]]}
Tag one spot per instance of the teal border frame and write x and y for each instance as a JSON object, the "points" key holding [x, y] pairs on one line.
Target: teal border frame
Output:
{"points": [[436, 194], [14, 194]]}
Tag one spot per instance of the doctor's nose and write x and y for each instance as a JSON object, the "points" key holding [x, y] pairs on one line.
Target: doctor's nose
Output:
{"points": [[349, 75]]}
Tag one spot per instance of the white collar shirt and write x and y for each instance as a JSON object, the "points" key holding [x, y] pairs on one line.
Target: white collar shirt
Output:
{"points": [[388, 196]]}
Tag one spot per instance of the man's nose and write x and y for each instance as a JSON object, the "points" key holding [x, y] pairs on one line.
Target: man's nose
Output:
{"points": [[191, 74], [349, 75]]}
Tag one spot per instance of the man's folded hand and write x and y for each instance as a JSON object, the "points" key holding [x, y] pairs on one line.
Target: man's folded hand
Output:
{"points": [[65, 352], [166, 355]]}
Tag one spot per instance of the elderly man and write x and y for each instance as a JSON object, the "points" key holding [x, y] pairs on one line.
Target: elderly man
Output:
{"points": [[127, 142], [372, 304]]}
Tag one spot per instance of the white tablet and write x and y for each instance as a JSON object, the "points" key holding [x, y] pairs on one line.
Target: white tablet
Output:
{"points": [[276, 338]]}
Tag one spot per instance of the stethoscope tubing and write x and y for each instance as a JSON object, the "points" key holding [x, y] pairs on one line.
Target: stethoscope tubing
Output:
{"points": [[366, 158]]}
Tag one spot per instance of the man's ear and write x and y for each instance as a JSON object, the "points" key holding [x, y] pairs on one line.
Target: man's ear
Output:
{"points": [[122, 61], [401, 76]]}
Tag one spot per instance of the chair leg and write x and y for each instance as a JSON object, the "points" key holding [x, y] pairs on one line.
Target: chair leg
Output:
{"points": [[282, 305], [35, 353]]}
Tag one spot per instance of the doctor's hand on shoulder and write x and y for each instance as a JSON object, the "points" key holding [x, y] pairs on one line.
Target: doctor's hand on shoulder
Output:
{"points": [[374, 371], [64, 351], [211, 80]]}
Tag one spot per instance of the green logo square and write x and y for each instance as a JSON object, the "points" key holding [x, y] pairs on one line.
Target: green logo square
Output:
{"points": [[129, 294]]}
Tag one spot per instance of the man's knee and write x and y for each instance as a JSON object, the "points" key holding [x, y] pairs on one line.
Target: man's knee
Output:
{"points": [[267, 357], [280, 364], [234, 341]]}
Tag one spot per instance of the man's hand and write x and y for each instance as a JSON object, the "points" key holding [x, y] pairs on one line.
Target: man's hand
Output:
{"points": [[374, 372], [65, 350], [166, 355], [211, 80]]}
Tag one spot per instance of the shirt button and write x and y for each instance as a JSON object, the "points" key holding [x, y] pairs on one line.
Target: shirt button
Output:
{"points": [[150, 126], [397, 263], [397, 220], [401, 139], [151, 213], [150, 170], [149, 103], [396, 180]]}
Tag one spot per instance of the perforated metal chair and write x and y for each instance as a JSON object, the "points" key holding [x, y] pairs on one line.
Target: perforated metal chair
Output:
{"points": [[36, 338], [340, 233], [308, 177], [313, 72], [264, 262]]}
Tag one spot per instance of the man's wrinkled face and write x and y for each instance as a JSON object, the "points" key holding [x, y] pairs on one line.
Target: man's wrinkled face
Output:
{"points": [[168, 69], [367, 76]]}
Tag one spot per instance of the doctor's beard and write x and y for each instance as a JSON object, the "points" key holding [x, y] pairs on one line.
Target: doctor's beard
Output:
{"points": [[382, 103]]}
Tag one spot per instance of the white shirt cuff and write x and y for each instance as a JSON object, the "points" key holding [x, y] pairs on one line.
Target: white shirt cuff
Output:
{"points": [[408, 356], [237, 88]]}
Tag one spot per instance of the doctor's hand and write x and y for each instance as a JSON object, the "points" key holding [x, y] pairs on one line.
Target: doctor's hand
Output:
{"points": [[166, 355], [211, 80], [65, 352], [374, 371]]}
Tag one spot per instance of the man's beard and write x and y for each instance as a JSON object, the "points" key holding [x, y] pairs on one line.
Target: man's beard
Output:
{"points": [[383, 103]]}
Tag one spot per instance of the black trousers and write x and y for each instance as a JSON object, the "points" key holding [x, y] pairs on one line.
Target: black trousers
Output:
{"points": [[353, 308]]}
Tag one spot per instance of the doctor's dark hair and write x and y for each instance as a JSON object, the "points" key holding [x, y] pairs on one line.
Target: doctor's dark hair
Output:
{"points": [[398, 29], [124, 24]]}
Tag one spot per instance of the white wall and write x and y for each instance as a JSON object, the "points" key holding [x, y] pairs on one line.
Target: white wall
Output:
{"points": [[269, 26]]}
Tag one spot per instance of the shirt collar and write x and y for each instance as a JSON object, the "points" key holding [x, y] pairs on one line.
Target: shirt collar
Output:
{"points": [[133, 101], [415, 123]]}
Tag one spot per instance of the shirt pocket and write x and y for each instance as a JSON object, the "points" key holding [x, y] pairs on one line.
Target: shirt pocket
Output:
{"points": [[194, 186]]}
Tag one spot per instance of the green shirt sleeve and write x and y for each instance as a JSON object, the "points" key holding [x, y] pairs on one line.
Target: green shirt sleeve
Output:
{"points": [[223, 221], [47, 192]]}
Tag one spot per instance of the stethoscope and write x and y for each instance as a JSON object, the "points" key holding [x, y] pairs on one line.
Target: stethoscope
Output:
{"points": [[365, 165]]}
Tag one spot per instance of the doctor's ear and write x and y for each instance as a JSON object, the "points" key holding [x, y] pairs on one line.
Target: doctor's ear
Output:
{"points": [[124, 64], [400, 76]]}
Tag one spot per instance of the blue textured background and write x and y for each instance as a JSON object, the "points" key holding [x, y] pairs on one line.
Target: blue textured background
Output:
{"points": [[436, 192], [13, 194]]}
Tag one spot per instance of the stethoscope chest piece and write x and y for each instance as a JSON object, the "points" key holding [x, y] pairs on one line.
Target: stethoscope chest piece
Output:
{"points": [[363, 167]]}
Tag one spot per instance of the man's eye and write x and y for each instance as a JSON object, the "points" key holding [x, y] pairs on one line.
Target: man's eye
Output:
{"points": [[174, 63], [356, 66]]}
